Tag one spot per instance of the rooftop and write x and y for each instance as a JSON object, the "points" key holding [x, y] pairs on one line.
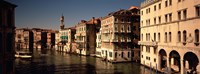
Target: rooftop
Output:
{"points": [[148, 2]]}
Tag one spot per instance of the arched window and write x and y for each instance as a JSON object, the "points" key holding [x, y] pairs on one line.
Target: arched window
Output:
{"points": [[196, 35], [158, 36], [165, 36], [128, 54], [141, 37], [184, 36], [170, 37], [179, 36], [122, 54], [115, 54], [132, 53]]}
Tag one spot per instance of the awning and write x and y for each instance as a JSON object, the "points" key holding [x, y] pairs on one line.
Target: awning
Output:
{"points": [[64, 37]]}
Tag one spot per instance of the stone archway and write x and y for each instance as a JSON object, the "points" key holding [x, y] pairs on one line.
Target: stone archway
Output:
{"points": [[175, 61], [191, 62], [162, 59]]}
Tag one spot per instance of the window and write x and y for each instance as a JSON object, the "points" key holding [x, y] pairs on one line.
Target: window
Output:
{"points": [[165, 36], [9, 42], [155, 51], [128, 54], [179, 36], [184, 14], [154, 36], [155, 8], [170, 17], [141, 12], [141, 23], [148, 37], [110, 54], [179, 15], [149, 10], [166, 3], [148, 49], [170, 37], [149, 22], [170, 2], [159, 19], [129, 28], [132, 54], [115, 54], [141, 37], [184, 36], [158, 36], [198, 10], [197, 35], [116, 20], [166, 18], [159, 6], [155, 20], [122, 54]]}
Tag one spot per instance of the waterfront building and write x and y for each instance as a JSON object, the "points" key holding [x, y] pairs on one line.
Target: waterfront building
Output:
{"points": [[98, 45], [50, 39], [86, 36], [62, 36], [170, 35], [7, 37], [23, 39], [120, 35], [43, 38], [71, 31]]}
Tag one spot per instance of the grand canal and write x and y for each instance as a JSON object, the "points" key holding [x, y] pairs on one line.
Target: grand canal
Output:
{"points": [[53, 62]]}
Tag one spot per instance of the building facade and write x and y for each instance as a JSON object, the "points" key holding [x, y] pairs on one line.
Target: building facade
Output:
{"points": [[7, 37], [23, 39], [86, 36], [98, 45], [120, 34], [170, 35]]}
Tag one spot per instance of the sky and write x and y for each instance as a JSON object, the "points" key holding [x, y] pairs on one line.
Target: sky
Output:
{"points": [[46, 13]]}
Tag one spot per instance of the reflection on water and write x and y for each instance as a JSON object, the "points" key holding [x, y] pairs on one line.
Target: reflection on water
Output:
{"points": [[60, 63]]}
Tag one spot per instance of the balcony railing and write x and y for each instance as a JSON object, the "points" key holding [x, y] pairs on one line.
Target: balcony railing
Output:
{"points": [[114, 40], [128, 40], [148, 43], [105, 40]]}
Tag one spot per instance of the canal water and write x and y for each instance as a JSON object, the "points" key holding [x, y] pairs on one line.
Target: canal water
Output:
{"points": [[53, 62]]}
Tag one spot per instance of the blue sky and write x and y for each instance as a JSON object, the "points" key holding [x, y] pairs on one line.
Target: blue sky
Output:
{"points": [[46, 13]]}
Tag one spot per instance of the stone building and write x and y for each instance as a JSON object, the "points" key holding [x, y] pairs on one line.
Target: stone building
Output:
{"points": [[170, 35], [7, 37], [98, 45], [23, 39], [120, 34], [43, 38], [86, 36]]}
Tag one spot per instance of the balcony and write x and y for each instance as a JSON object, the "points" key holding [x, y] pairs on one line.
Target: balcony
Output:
{"points": [[105, 40], [105, 31], [148, 43], [122, 40], [114, 40], [128, 31], [128, 40]]}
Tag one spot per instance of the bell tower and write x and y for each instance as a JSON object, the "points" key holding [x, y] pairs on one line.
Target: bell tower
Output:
{"points": [[62, 22]]}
